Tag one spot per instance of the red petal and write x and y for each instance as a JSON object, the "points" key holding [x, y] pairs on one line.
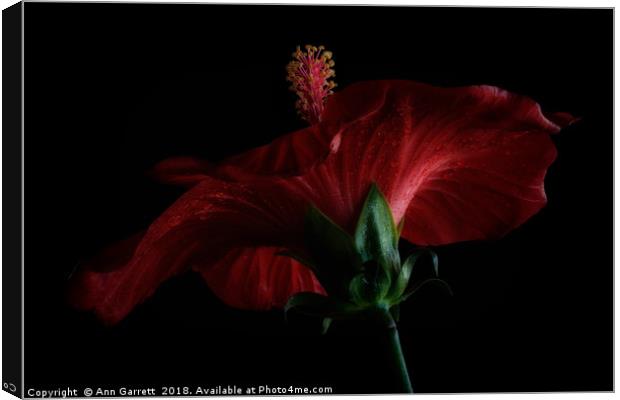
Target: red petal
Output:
{"points": [[463, 163], [288, 155], [205, 224], [257, 278], [562, 119], [183, 171]]}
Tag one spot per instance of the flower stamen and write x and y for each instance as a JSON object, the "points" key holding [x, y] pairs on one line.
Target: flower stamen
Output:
{"points": [[309, 74]]}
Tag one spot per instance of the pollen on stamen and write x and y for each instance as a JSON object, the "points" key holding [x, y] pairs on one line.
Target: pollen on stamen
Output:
{"points": [[310, 75]]}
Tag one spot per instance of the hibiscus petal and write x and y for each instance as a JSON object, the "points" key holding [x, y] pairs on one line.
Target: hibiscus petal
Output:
{"points": [[258, 278], [288, 155], [182, 171], [481, 194], [205, 224], [462, 163]]}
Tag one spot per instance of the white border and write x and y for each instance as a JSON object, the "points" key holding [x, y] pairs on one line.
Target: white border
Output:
{"points": [[546, 3]]}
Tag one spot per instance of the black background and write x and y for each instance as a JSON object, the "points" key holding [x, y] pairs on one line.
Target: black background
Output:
{"points": [[112, 89]]}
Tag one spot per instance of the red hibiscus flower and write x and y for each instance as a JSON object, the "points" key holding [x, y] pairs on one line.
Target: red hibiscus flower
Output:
{"points": [[313, 219], [455, 164], [443, 164]]}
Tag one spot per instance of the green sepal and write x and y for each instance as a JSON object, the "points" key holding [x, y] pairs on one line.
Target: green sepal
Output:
{"points": [[376, 236], [435, 260], [332, 250], [317, 305], [376, 240], [371, 285], [414, 288], [421, 251], [327, 322], [402, 281], [362, 290]]}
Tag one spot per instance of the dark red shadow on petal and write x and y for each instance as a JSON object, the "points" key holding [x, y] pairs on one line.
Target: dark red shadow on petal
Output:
{"points": [[289, 155], [257, 278], [562, 119], [206, 223], [182, 171]]}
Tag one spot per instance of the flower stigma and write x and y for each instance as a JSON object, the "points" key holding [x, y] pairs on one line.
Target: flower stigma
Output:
{"points": [[309, 73]]}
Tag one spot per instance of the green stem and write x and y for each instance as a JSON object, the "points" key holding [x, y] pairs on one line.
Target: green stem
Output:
{"points": [[399, 359]]}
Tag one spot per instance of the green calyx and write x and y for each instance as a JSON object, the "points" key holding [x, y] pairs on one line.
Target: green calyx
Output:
{"points": [[362, 274]]}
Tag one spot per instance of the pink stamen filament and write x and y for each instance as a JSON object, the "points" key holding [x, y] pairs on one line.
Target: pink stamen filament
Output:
{"points": [[309, 74]]}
